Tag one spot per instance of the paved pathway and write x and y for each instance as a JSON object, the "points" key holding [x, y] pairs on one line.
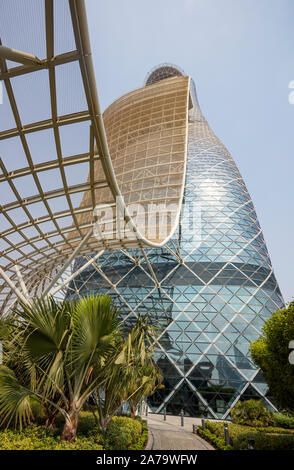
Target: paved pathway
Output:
{"points": [[170, 435]]}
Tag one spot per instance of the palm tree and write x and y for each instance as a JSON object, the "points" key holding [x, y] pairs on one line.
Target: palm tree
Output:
{"points": [[133, 374], [142, 377], [66, 350], [145, 382], [6, 329], [64, 353]]}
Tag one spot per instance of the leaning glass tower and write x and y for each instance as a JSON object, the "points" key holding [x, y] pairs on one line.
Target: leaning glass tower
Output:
{"points": [[210, 293]]}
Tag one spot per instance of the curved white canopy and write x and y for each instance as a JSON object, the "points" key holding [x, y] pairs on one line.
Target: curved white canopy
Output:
{"points": [[52, 137]]}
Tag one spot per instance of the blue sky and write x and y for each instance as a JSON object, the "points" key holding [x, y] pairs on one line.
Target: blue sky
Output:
{"points": [[240, 55]]}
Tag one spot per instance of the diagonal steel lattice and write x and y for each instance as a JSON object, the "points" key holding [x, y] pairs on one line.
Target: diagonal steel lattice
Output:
{"points": [[54, 151], [210, 291], [210, 296]]}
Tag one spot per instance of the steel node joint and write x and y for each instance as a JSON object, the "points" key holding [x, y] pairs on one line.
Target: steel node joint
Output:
{"points": [[19, 56]]}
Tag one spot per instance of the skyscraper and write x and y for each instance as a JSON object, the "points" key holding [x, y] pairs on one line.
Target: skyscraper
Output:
{"points": [[209, 291]]}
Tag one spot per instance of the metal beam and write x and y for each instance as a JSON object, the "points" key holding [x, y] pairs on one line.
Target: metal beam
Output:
{"points": [[79, 271], [18, 56], [68, 262], [13, 287], [174, 254], [150, 267], [24, 69], [51, 254], [50, 165], [80, 27], [51, 194], [46, 124], [21, 281]]}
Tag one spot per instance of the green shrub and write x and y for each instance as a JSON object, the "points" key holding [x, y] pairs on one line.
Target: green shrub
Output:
{"points": [[217, 428], [251, 413], [275, 430], [141, 444], [38, 411], [264, 441], [217, 441], [38, 438], [122, 432], [283, 420], [264, 438], [87, 424]]}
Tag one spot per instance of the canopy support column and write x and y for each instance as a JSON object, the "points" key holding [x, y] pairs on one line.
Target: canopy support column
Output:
{"points": [[68, 262], [21, 281], [79, 271], [13, 287]]}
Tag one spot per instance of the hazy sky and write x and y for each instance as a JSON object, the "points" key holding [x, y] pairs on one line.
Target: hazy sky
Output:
{"points": [[240, 54]]}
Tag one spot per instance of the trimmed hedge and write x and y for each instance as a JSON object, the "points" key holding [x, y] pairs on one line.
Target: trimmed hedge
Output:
{"points": [[283, 421], [264, 441], [268, 438], [234, 429], [122, 433], [274, 430], [215, 440]]}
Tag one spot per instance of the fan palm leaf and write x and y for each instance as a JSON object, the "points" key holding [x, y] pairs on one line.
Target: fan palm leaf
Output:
{"points": [[14, 399]]}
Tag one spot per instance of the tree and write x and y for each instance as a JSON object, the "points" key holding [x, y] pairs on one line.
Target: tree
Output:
{"points": [[63, 354], [145, 378], [144, 383], [134, 374], [271, 353], [66, 348]]}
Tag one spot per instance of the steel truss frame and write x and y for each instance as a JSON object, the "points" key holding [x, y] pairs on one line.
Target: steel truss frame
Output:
{"points": [[42, 267]]}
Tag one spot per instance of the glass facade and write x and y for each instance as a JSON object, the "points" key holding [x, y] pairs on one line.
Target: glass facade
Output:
{"points": [[210, 295]]}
